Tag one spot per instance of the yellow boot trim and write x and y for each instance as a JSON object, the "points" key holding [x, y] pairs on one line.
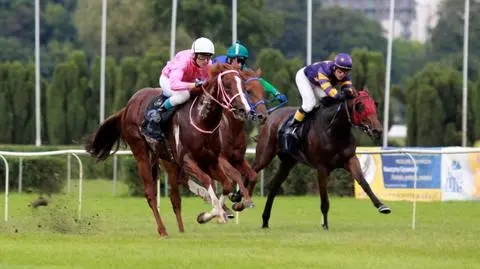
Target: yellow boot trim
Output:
{"points": [[299, 116]]}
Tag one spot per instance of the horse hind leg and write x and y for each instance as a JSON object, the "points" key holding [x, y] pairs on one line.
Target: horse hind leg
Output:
{"points": [[145, 171], [174, 194]]}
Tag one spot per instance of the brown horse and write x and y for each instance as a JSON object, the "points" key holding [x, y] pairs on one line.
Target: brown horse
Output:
{"points": [[192, 137], [328, 144], [234, 137], [234, 140]]}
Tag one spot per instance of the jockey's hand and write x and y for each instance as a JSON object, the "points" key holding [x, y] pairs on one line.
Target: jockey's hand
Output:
{"points": [[199, 82], [281, 97], [349, 93]]}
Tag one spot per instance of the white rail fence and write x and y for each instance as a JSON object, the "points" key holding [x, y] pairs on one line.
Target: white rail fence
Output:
{"points": [[76, 154]]}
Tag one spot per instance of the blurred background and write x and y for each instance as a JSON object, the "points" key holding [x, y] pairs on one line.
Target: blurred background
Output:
{"points": [[427, 60]]}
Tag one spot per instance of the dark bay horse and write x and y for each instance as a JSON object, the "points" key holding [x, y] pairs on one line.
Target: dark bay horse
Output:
{"points": [[192, 137], [328, 144]]}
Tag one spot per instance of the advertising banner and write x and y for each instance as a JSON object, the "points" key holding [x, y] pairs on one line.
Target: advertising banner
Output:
{"points": [[391, 176]]}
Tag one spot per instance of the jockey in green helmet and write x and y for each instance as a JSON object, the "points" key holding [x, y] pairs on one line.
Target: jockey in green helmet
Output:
{"points": [[237, 55]]}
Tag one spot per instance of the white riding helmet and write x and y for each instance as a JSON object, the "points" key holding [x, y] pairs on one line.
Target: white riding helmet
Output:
{"points": [[203, 45]]}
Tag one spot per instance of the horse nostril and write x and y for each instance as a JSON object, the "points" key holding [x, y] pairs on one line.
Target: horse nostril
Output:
{"points": [[242, 111]]}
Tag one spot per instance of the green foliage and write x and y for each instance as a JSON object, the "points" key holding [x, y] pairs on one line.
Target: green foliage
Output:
{"points": [[65, 79], [280, 72], [128, 77], [257, 27], [45, 175], [129, 174], [91, 169], [354, 30], [130, 27], [434, 101], [408, 57]]}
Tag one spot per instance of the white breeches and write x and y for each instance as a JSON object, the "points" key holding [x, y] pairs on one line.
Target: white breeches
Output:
{"points": [[310, 93], [176, 97]]}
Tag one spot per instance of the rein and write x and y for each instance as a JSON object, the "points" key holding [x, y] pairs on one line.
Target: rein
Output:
{"points": [[253, 106], [222, 99], [363, 127]]}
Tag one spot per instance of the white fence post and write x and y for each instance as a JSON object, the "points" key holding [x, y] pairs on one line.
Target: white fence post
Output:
{"points": [[20, 174]]}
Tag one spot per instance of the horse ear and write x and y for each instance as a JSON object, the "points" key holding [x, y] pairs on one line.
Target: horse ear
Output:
{"points": [[258, 73], [214, 68]]}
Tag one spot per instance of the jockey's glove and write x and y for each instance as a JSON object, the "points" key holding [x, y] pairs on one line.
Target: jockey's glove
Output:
{"points": [[349, 93], [199, 82], [281, 97]]}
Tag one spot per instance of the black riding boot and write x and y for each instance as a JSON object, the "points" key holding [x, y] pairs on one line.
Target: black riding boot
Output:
{"points": [[295, 123]]}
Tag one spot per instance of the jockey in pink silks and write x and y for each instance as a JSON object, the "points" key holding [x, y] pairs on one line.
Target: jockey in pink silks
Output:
{"points": [[186, 71]]}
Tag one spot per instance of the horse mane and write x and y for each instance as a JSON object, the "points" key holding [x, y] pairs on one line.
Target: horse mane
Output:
{"points": [[328, 101], [248, 73], [219, 68]]}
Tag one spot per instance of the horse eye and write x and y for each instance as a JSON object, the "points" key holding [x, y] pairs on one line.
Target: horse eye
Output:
{"points": [[359, 107]]}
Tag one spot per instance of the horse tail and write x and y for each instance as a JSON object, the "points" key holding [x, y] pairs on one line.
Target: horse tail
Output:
{"points": [[108, 135]]}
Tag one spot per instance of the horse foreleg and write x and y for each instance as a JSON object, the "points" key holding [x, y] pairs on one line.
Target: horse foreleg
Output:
{"points": [[322, 180], [266, 149], [145, 172], [192, 168], [219, 172], [285, 166], [235, 175], [250, 174], [353, 166], [175, 199]]}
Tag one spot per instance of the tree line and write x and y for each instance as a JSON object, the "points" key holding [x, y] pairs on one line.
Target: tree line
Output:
{"points": [[427, 77]]}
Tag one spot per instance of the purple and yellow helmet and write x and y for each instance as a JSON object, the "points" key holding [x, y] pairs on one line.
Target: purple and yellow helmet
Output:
{"points": [[343, 61]]}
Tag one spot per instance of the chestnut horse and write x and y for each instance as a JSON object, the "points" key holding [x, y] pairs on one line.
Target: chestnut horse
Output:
{"points": [[327, 143], [192, 138], [234, 138]]}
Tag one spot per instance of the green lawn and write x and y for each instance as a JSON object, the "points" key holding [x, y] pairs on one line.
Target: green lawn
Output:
{"points": [[119, 232]]}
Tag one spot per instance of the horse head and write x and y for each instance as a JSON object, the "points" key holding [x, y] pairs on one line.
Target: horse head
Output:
{"points": [[363, 109], [255, 94], [225, 88]]}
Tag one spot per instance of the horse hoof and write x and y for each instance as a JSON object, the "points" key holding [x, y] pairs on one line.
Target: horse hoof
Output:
{"points": [[229, 214], [248, 204], [201, 219], [238, 207], [384, 209], [235, 197], [162, 233], [325, 227], [265, 226]]}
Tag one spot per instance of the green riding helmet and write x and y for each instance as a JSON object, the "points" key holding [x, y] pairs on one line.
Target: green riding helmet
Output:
{"points": [[237, 50]]}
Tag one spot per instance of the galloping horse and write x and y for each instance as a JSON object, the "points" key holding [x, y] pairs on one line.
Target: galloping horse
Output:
{"points": [[192, 138], [328, 144], [234, 138]]}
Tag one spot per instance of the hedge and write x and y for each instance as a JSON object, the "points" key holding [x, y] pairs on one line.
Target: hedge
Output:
{"points": [[52, 171], [44, 171]]}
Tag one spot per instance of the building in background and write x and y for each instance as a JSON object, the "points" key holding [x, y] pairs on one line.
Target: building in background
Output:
{"points": [[413, 18]]}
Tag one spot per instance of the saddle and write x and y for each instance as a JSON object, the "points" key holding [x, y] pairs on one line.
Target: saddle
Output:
{"points": [[288, 142], [156, 121]]}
